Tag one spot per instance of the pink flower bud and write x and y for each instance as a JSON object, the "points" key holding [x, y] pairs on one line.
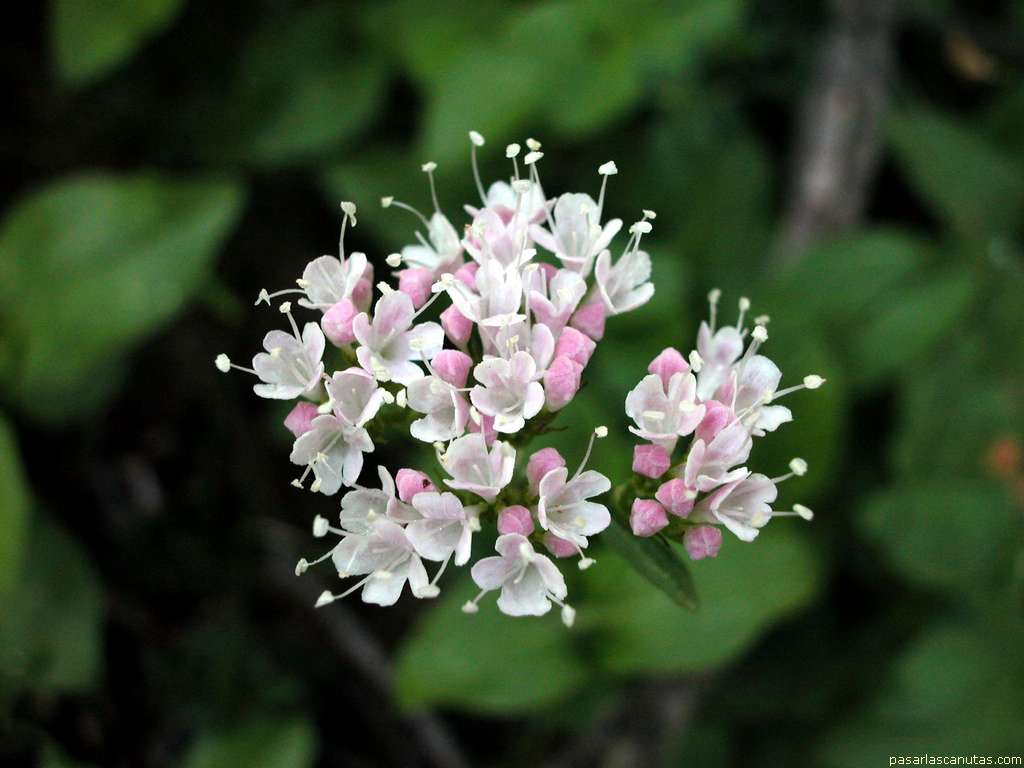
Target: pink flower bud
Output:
{"points": [[647, 517], [540, 463], [410, 482], [415, 283], [299, 420], [337, 323], [458, 327], [590, 319], [702, 541], [557, 546], [676, 497], [515, 519], [362, 294], [651, 461], [466, 274], [452, 366], [486, 426], [669, 362], [561, 382], [716, 418], [575, 345]]}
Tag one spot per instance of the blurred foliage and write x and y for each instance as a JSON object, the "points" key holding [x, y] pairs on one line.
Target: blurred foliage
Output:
{"points": [[168, 159]]}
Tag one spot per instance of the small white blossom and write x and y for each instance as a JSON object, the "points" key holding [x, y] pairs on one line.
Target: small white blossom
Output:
{"points": [[529, 581], [564, 507], [475, 469], [387, 555], [291, 366], [508, 390]]}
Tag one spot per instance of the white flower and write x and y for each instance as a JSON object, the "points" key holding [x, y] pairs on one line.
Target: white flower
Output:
{"points": [[664, 417], [757, 380], [334, 450], [508, 390], [387, 555], [742, 506], [504, 201], [291, 366], [625, 286], [718, 352], [355, 396], [564, 508], [710, 465], [578, 235], [554, 305], [362, 507], [327, 280], [390, 344], [441, 253], [474, 469], [492, 237], [446, 409], [446, 527], [529, 582]]}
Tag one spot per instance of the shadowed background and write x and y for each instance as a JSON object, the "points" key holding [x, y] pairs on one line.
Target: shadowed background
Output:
{"points": [[854, 167]]}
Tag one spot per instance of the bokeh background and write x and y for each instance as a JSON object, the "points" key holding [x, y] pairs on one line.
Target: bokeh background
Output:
{"points": [[853, 166]]}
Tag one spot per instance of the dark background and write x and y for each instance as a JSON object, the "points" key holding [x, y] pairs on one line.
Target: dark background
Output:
{"points": [[854, 167]]}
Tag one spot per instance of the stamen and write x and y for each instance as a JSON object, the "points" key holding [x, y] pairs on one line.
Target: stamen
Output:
{"points": [[713, 296], [605, 170], [429, 168], [476, 140], [394, 260], [599, 432], [512, 152], [389, 202], [224, 364], [744, 306]]}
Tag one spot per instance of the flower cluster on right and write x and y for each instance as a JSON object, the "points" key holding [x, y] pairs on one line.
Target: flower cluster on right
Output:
{"points": [[721, 396]]}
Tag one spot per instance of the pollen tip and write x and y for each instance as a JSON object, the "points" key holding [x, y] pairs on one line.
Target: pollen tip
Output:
{"points": [[326, 598], [429, 167], [585, 563], [760, 334], [798, 467], [301, 567], [385, 202], [714, 295], [568, 615], [533, 144], [813, 381], [470, 607], [532, 157], [223, 363], [394, 260], [512, 150], [285, 308], [476, 138], [601, 431], [744, 303], [803, 511], [320, 526], [608, 169], [428, 592], [402, 398], [348, 208]]}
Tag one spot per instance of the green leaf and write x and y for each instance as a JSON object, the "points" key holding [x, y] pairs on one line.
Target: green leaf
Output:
{"points": [[50, 636], [487, 662], [92, 37], [281, 743], [946, 534], [657, 560], [910, 327], [302, 90], [93, 264], [743, 592], [967, 181], [14, 501], [955, 690]]}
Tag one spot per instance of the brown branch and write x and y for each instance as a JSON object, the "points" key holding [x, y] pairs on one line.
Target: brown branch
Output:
{"points": [[839, 135]]}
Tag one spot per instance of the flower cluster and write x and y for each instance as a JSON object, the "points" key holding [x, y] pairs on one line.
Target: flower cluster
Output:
{"points": [[482, 341], [722, 396]]}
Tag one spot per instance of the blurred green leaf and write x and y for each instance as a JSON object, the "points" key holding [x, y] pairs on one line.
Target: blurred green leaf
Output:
{"points": [[743, 591], [14, 501], [967, 181], [486, 662], [54, 757], [303, 88], [277, 743], [950, 693], [657, 560], [92, 265], [92, 37], [50, 636], [908, 328], [946, 534]]}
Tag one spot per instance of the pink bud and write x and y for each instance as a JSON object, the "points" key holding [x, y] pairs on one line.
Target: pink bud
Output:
{"points": [[486, 426], [452, 366], [466, 274], [561, 382], [676, 497], [647, 517], [415, 283], [458, 327], [590, 319], [651, 461], [362, 294], [299, 420], [337, 323], [668, 363], [716, 418], [557, 546], [702, 541], [515, 520], [540, 463], [575, 346], [410, 482]]}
